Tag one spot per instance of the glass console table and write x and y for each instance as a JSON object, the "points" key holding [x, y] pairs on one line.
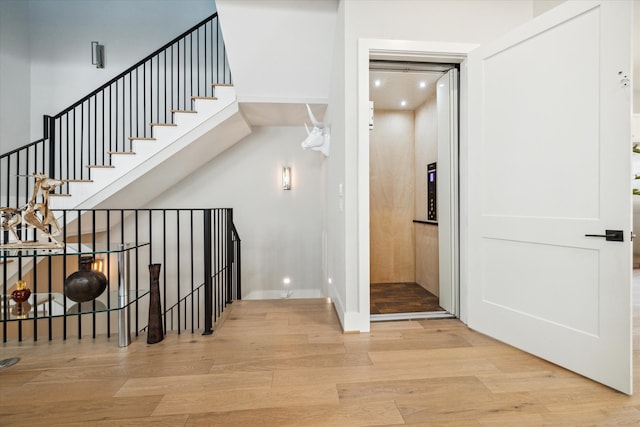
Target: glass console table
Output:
{"points": [[55, 304]]}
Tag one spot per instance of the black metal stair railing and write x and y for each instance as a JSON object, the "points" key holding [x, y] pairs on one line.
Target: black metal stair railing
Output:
{"points": [[222, 286], [199, 252], [176, 317], [124, 109]]}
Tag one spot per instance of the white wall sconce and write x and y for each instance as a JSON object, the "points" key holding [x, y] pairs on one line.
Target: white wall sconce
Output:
{"points": [[286, 178], [97, 54]]}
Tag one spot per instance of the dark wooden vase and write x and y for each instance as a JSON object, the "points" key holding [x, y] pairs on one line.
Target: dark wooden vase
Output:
{"points": [[155, 332], [85, 284]]}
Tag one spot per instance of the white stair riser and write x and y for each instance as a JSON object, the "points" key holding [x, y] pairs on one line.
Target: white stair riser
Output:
{"points": [[146, 151]]}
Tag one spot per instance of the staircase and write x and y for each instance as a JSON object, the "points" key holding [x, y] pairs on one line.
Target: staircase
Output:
{"points": [[156, 162], [147, 128], [134, 137]]}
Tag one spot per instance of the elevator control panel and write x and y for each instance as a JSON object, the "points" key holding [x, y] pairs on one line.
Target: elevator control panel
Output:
{"points": [[432, 208]]}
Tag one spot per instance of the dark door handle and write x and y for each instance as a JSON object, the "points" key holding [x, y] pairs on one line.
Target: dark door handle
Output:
{"points": [[610, 235]]}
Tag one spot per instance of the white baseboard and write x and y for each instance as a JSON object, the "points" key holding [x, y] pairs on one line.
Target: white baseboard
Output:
{"points": [[281, 294]]}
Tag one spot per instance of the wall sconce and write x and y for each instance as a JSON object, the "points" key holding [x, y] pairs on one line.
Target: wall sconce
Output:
{"points": [[286, 178], [97, 54], [97, 265]]}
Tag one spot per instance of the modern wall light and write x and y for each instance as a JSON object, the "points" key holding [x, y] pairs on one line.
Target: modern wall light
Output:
{"points": [[97, 265], [286, 178], [97, 54], [286, 288]]}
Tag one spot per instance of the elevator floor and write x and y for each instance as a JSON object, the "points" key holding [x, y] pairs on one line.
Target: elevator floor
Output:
{"points": [[393, 298]]}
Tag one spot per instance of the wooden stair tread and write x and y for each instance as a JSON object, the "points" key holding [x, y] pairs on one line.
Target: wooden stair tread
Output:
{"points": [[162, 124], [184, 111], [141, 138], [222, 84], [120, 152], [100, 166], [59, 195], [9, 261], [78, 180], [212, 98]]}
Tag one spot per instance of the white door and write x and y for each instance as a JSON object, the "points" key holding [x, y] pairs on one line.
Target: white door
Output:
{"points": [[549, 150], [447, 190]]}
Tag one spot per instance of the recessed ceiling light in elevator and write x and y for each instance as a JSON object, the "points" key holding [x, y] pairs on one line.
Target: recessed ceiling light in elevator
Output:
{"points": [[392, 82]]}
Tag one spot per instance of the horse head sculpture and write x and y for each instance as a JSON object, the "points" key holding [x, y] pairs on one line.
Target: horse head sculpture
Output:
{"points": [[319, 137]]}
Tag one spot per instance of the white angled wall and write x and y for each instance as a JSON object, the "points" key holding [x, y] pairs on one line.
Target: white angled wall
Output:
{"points": [[281, 231], [279, 50]]}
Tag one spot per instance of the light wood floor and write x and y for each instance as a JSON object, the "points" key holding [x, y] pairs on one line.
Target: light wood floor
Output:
{"points": [[287, 363]]}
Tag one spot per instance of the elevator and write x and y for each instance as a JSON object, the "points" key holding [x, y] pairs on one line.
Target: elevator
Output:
{"points": [[413, 189]]}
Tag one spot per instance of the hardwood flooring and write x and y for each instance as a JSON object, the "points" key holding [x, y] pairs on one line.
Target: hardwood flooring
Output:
{"points": [[287, 363], [389, 298]]}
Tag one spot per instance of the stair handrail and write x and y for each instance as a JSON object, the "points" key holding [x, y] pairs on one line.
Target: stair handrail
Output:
{"points": [[137, 64], [15, 150]]}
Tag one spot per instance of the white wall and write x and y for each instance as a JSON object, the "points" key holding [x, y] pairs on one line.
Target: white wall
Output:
{"points": [[636, 56], [60, 35], [336, 191], [279, 50], [541, 6], [15, 87], [281, 231]]}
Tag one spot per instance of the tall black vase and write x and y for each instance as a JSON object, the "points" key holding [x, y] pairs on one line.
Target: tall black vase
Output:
{"points": [[155, 332], [85, 284]]}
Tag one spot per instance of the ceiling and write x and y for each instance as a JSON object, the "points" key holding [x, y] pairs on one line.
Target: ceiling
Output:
{"points": [[395, 86], [281, 113], [388, 89]]}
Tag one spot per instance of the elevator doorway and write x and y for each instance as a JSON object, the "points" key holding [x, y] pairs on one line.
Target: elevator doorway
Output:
{"points": [[413, 167]]}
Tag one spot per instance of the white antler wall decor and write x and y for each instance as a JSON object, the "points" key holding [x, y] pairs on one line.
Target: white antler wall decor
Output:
{"points": [[318, 138]]}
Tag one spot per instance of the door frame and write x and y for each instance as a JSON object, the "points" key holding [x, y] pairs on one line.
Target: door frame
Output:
{"points": [[398, 50]]}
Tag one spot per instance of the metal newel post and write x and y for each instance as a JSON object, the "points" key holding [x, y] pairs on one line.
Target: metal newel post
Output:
{"points": [[208, 285], [230, 256], [50, 132], [239, 271], [124, 314]]}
